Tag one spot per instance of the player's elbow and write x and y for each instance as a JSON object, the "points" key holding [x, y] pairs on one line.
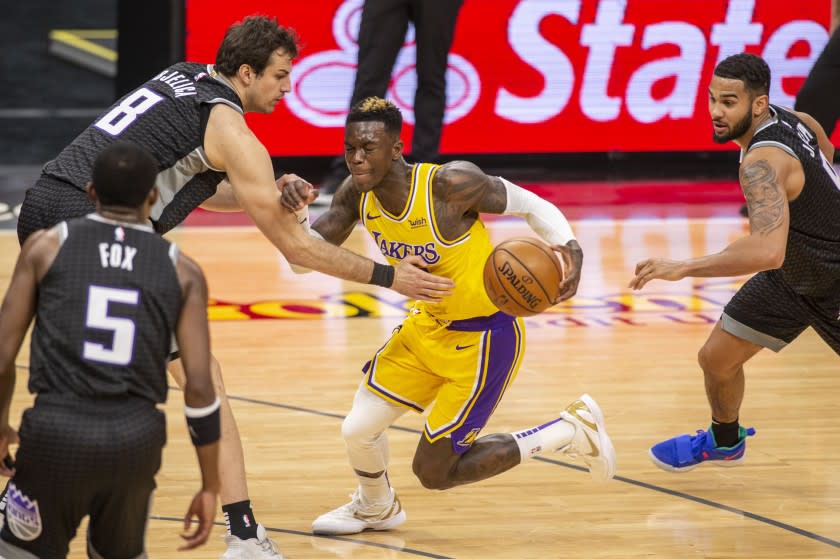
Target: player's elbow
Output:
{"points": [[773, 259], [292, 242], [296, 252]]}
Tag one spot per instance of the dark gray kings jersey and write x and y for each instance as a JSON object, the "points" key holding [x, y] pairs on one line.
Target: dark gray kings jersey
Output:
{"points": [[812, 259], [167, 115], [107, 309]]}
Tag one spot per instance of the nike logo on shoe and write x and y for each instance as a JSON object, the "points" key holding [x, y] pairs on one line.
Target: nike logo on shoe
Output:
{"points": [[393, 509], [576, 407], [595, 453]]}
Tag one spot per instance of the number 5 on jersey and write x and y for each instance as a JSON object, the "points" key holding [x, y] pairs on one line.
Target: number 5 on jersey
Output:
{"points": [[122, 348], [118, 118]]}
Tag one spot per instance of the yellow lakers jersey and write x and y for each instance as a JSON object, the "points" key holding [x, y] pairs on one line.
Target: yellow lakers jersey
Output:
{"points": [[415, 231]]}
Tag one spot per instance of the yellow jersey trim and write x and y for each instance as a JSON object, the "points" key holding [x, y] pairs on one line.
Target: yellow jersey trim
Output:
{"points": [[409, 203]]}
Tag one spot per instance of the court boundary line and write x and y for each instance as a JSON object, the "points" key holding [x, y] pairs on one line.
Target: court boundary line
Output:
{"points": [[408, 550], [644, 485]]}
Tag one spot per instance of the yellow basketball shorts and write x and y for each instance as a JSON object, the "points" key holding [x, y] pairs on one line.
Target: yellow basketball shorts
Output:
{"points": [[463, 366]]}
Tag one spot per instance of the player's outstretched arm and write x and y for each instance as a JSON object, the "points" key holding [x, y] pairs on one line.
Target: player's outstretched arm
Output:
{"points": [[16, 313], [768, 179], [224, 200], [201, 405], [232, 146], [249, 170], [336, 223]]}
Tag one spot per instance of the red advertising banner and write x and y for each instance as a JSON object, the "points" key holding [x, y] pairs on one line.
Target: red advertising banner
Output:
{"points": [[537, 75]]}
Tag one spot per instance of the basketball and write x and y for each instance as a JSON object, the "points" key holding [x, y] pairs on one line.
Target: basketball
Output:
{"points": [[522, 276]]}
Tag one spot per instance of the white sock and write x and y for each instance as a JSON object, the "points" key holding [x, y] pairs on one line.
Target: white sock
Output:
{"points": [[546, 437]]}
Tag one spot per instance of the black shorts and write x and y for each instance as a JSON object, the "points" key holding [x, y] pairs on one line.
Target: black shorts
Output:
{"points": [[49, 202], [83, 457], [768, 312]]}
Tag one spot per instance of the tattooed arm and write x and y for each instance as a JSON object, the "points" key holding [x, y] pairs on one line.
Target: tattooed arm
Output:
{"points": [[769, 179], [462, 191], [336, 224]]}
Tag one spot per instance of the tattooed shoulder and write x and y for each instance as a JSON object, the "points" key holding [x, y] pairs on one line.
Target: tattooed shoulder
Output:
{"points": [[460, 184], [764, 194]]}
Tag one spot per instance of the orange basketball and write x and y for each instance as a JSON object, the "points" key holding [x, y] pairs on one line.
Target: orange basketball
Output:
{"points": [[522, 276]]}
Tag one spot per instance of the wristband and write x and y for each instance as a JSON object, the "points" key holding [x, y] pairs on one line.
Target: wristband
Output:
{"points": [[382, 275], [204, 424]]}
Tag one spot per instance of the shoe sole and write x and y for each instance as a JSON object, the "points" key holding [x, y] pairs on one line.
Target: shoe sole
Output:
{"points": [[678, 470], [603, 467], [378, 526]]}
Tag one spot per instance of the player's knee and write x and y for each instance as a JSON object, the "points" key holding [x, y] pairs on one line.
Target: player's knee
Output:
{"points": [[705, 358], [430, 475], [356, 431], [714, 364], [349, 430]]}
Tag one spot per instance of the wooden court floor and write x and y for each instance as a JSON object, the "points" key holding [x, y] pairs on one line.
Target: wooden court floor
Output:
{"points": [[291, 348]]}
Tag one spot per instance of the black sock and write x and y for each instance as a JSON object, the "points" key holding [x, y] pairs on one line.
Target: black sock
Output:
{"points": [[726, 434], [240, 520]]}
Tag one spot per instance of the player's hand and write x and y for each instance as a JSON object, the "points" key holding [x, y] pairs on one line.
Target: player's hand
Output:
{"points": [[8, 436], [657, 268], [572, 256], [411, 280], [295, 192], [203, 506]]}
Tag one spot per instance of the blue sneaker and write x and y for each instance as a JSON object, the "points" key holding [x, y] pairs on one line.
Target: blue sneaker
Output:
{"points": [[686, 452]]}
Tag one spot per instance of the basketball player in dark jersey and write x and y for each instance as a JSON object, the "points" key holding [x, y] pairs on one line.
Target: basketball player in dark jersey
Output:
{"points": [[818, 95], [108, 294], [191, 118], [793, 194]]}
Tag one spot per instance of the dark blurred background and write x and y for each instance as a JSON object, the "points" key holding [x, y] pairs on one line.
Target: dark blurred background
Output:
{"points": [[54, 86], [52, 93]]}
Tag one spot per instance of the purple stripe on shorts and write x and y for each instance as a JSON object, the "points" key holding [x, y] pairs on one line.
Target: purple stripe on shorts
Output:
{"points": [[482, 323], [505, 345]]}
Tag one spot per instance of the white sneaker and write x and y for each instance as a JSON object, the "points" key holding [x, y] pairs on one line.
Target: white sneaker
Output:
{"points": [[260, 547], [355, 517], [591, 440]]}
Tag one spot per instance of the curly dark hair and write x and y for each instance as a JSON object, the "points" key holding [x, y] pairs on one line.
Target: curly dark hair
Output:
{"points": [[252, 41], [377, 109], [750, 69]]}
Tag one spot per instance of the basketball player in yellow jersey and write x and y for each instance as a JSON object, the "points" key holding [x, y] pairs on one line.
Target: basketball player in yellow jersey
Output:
{"points": [[456, 353]]}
